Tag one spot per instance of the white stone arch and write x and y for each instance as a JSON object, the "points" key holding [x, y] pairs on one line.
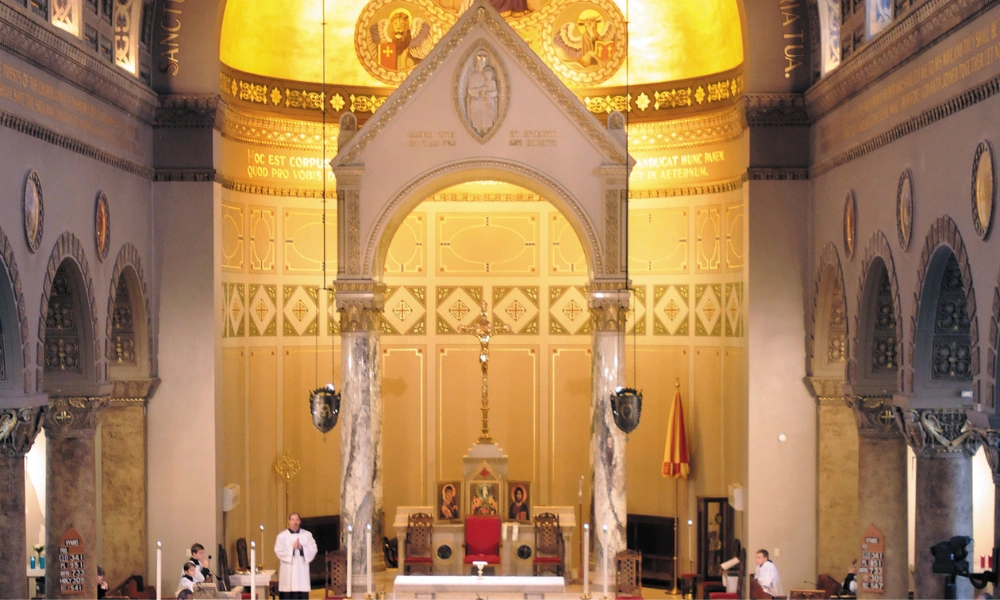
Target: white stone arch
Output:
{"points": [[129, 266], [863, 379], [426, 184]]}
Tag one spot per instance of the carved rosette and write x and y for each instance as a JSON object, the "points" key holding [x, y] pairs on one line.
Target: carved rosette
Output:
{"points": [[608, 307], [74, 417], [935, 431], [18, 428], [990, 439], [875, 416], [360, 306]]}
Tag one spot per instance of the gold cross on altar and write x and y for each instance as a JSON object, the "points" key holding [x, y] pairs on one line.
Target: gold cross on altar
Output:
{"points": [[484, 329]]}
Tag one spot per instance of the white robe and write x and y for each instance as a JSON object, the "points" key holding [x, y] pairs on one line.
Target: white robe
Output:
{"points": [[199, 577], [184, 584], [294, 573], [767, 577]]}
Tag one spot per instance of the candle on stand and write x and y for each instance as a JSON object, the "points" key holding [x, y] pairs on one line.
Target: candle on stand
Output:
{"points": [[253, 561], [690, 552], [159, 571], [368, 555], [350, 552], [605, 566], [585, 567], [261, 546]]}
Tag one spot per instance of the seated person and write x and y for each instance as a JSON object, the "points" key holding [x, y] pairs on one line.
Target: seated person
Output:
{"points": [[187, 579], [198, 558], [102, 586], [767, 574], [850, 586], [185, 595]]}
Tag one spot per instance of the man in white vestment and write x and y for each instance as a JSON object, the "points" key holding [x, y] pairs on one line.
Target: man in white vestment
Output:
{"points": [[767, 574], [295, 548]]}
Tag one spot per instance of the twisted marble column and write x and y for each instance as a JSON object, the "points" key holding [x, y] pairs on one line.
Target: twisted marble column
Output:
{"points": [[18, 428], [71, 485], [944, 447], [360, 307], [608, 308], [882, 490]]}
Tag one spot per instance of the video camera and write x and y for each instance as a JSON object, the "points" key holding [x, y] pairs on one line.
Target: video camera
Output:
{"points": [[951, 559]]}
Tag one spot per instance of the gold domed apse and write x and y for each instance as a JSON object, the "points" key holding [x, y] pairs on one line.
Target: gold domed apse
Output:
{"points": [[584, 42]]}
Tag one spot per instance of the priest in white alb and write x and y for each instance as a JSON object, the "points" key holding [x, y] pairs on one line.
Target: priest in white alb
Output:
{"points": [[295, 548]]}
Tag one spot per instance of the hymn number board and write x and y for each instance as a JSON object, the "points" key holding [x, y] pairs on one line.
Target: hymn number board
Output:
{"points": [[71, 564], [870, 573]]}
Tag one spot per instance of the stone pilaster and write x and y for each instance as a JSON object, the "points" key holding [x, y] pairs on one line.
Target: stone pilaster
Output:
{"points": [[360, 307], [608, 308], [944, 445], [882, 489], [18, 428], [71, 485]]}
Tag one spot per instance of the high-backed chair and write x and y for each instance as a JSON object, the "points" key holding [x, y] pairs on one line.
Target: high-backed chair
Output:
{"points": [[482, 540], [419, 529], [628, 575], [336, 574], [550, 550]]}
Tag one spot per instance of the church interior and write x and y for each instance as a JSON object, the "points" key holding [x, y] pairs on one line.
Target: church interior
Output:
{"points": [[635, 287]]}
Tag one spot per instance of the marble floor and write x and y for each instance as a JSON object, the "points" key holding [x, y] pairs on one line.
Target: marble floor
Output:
{"points": [[383, 582]]}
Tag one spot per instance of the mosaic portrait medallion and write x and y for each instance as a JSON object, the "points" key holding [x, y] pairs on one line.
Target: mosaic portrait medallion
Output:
{"points": [[391, 37], [102, 226], [904, 209], [586, 42], [850, 224], [983, 189], [34, 211]]}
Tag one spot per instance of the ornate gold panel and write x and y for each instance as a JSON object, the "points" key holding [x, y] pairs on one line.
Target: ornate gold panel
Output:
{"points": [[303, 241], [517, 307], [332, 316], [568, 312], [635, 320], [408, 251], [708, 313], [232, 237], [480, 243], [457, 306], [263, 233], [566, 256], [734, 237], [658, 241], [734, 309], [300, 309], [671, 309], [234, 309], [405, 311], [708, 242], [263, 309]]}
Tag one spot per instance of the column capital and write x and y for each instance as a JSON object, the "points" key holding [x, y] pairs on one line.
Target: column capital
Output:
{"points": [[133, 391], [360, 305], [826, 389], [990, 439], [937, 431], [18, 429], [875, 416], [74, 417], [608, 302]]}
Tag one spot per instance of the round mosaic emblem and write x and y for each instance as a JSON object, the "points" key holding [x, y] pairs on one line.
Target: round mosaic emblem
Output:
{"points": [[34, 211], [392, 37], [850, 224], [983, 189], [904, 209], [102, 226], [586, 42]]}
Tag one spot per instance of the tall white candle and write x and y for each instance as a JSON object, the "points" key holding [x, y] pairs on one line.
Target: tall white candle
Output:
{"points": [[368, 555], [586, 559], [690, 540], [606, 558], [350, 552], [262, 544], [253, 570], [159, 570]]}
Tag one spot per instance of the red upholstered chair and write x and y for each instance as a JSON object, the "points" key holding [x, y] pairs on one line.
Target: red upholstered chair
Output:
{"points": [[482, 540]]}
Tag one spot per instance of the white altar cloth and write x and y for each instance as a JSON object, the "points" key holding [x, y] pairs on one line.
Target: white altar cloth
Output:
{"points": [[441, 587]]}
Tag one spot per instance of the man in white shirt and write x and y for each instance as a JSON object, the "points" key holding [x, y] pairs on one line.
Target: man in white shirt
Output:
{"points": [[295, 548], [767, 574]]}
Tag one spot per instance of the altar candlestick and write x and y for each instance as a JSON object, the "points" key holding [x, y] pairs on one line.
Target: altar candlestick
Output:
{"points": [[586, 560], [690, 541], [350, 552], [368, 555], [253, 568], [605, 566], [261, 546], [159, 570]]}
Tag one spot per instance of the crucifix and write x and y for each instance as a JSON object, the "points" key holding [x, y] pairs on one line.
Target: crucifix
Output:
{"points": [[483, 329]]}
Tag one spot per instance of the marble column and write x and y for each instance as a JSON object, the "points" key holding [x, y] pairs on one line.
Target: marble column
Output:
{"points": [[608, 308], [71, 485], [18, 428], [360, 307], [944, 447], [882, 490]]}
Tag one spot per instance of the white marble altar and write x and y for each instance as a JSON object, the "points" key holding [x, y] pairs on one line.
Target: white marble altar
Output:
{"points": [[443, 587]]}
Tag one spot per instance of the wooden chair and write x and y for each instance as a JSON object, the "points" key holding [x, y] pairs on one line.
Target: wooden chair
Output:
{"points": [[336, 574], [550, 549], [757, 592], [628, 575], [419, 530], [803, 594], [482, 540]]}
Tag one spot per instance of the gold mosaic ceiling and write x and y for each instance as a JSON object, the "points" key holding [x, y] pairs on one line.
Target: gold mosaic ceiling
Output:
{"points": [[377, 43]]}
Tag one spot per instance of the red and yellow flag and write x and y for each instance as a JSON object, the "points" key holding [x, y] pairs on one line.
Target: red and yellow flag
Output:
{"points": [[676, 462]]}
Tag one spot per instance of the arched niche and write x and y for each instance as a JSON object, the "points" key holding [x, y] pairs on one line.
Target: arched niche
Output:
{"points": [[876, 352], [14, 355], [828, 348], [128, 331]]}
